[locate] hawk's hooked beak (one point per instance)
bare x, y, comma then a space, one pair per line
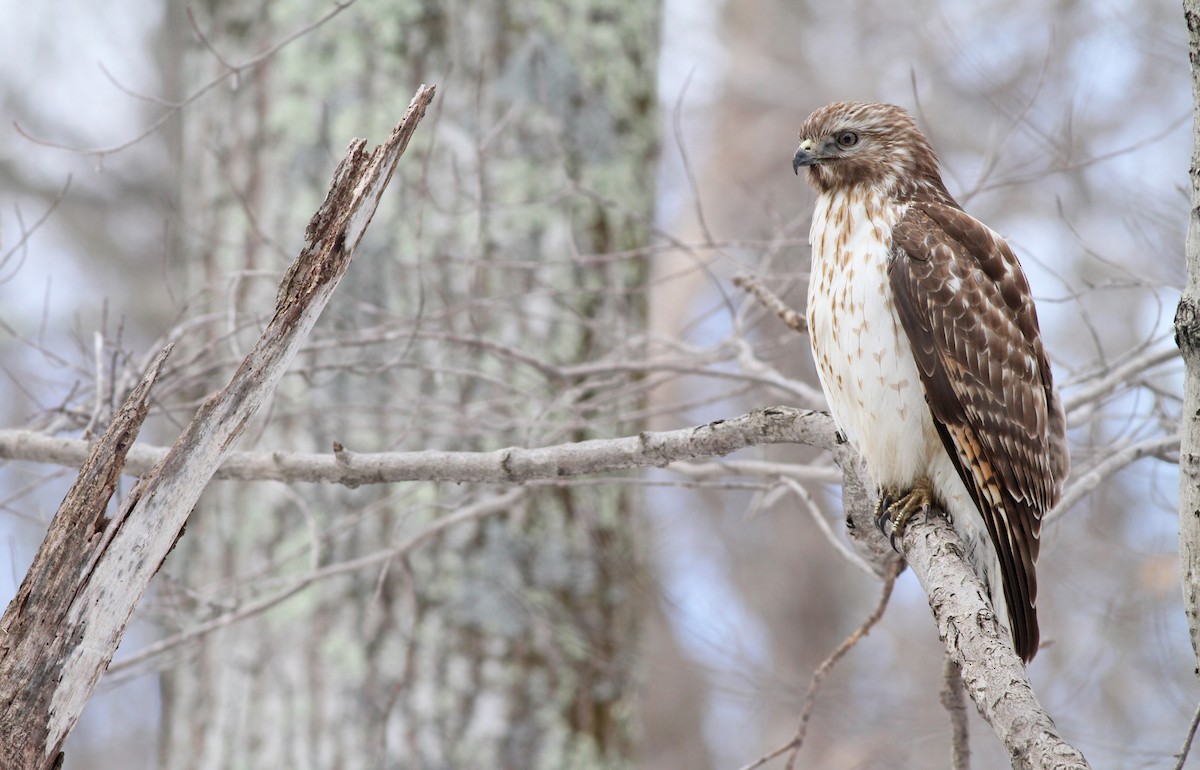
804, 156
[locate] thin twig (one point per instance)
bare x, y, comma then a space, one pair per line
1092, 390
217, 80
27, 232
98, 401
810, 698
839, 545
955, 703
1181, 757
208, 44
753, 286
1084, 482
752, 366
495, 505
677, 128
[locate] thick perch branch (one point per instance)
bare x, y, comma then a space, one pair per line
115, 568
992, 671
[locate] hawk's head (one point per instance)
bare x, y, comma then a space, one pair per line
860, 144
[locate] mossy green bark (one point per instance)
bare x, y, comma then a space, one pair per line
509, 643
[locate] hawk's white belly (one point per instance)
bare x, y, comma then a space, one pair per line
868, 371
862, 354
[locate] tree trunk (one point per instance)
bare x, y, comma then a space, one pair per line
1187, 336
507, 642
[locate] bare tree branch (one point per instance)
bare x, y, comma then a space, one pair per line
1181, 757
795, 321
1083, 483
774, 425
956, 597
487, 507
41, 624
992, 671
956, 706
814, 510
174, 109
793, 746
1111, 378
112, 568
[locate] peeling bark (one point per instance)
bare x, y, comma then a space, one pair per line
61, 630
46, 621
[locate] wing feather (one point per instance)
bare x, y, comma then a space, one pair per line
964, 303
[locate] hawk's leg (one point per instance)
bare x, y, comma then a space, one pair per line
897, 507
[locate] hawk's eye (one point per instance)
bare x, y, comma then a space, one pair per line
847, 139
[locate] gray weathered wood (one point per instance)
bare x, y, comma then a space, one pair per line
49, 686
41, 626
991, 670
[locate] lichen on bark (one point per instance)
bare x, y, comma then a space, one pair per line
510, 643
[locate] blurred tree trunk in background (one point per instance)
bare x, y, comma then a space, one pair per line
505, 643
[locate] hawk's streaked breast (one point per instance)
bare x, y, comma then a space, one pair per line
864, 360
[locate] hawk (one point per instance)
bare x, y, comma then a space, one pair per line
927, 345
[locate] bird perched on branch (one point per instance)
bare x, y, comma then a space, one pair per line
926, 341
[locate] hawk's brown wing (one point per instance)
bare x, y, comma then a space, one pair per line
964, 302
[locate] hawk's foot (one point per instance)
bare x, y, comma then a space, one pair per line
896, 507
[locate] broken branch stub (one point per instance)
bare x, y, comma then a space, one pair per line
90, 614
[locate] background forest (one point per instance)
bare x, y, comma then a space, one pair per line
553, 263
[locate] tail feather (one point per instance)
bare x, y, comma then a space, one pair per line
1011, 582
